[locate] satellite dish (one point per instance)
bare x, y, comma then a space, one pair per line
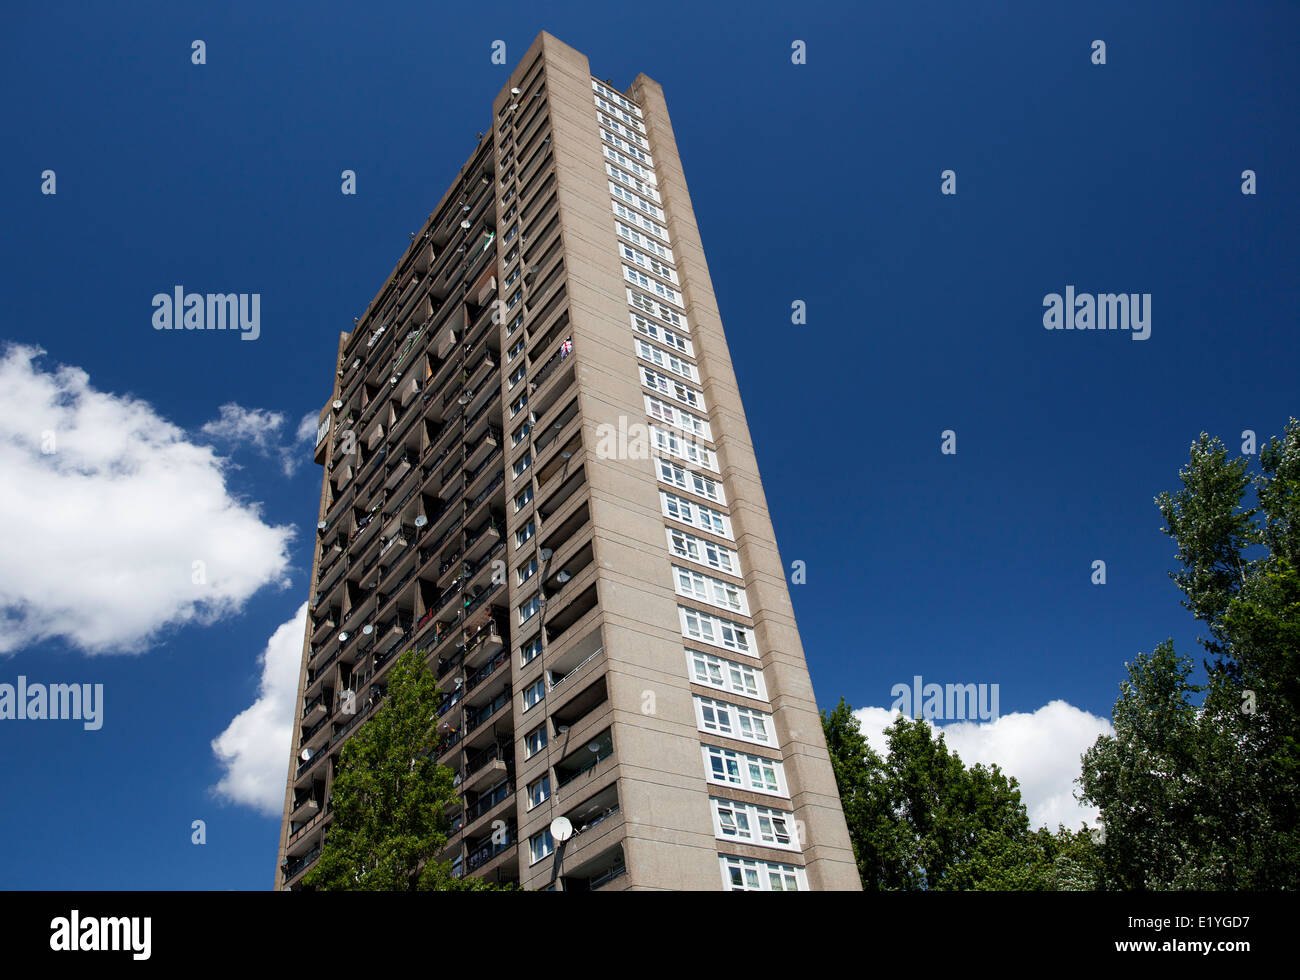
338, 404
545, 554
306, 755
343, 637
593, 747
367, 629
322, 525
561, 829
421, 521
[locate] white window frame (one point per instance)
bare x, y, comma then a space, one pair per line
726, 675
762, 874
691, 583
695, 515
729, 720
702, 551
744, 776
717, 631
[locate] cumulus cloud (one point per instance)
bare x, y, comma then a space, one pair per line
116, 524
1041, 749
262, 431
254, 749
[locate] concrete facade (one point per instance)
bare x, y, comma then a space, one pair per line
618, 646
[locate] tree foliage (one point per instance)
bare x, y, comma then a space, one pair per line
1206, 795
919, 818
390, 797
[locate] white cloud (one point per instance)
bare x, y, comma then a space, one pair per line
254, 748
107, 507
1041, 749
262, 430
307, 428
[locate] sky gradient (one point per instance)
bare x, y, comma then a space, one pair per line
817, 182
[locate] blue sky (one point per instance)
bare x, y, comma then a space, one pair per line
816, 182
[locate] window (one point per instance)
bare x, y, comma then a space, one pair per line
523, 499
752, 824
683, 544
690, 481
529, 651
671, 387
527, 611
516, 350
520, 434
524, 533
518, 404
643, 302
665, 360
526, 571
534, 693
697, 515
540, 845
705, 588
649, 244
678, 418
746, 875
518, 375
751, 772
636, 218
714, 629
732, 720
662, 334
685, 447
539, 792
522, 463
534, 741
727, 675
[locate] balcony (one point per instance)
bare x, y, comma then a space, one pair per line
486, 768
584, 759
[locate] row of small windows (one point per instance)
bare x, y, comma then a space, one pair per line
626, 147
746, 875
689, 480
630, 134
640, 220
638, 278
671, 387
708, 628
685, 545
649, 244
664, 335
638, 185
636, 200
691, 450
648, 262
696, 515
614, 110
756, 773
648, 305
691, 584
614, 97
678, 418
645, 173
752, 824
726, 675
664, 359
733, 721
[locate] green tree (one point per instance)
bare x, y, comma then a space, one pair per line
920, 819
1207, 795
390, 797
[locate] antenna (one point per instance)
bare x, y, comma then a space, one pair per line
561, 829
